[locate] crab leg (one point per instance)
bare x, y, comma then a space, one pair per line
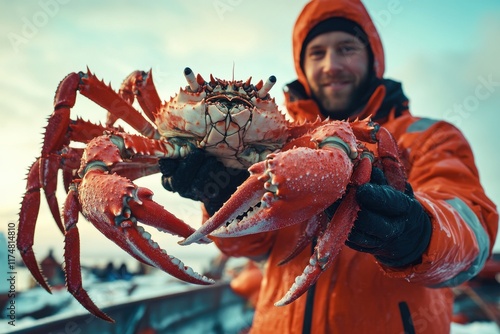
332, 240
30, 206
313, 228
102, 94
387, 151
139, 84
61, 130
56, 136
43, 175
26, 228
329, 245
72, 257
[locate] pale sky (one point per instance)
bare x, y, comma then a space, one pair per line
445, 52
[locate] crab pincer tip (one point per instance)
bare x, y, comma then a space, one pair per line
191, 239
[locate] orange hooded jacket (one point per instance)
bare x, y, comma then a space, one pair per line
357, 294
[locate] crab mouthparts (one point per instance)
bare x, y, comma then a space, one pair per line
229, 100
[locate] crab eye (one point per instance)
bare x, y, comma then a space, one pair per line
230, 101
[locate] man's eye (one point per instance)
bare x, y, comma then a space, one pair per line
347, 49
316, 53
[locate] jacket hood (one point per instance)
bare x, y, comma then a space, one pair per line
318, 10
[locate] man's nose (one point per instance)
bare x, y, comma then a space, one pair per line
333, 62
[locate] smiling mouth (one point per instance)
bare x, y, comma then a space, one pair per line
337, 85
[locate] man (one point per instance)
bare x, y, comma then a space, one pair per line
402, 258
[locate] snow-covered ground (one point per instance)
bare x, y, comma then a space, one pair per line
103, 294
475, 328
107, 294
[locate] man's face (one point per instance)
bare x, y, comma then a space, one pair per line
336, 68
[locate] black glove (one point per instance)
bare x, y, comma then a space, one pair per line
391, 225
202, 178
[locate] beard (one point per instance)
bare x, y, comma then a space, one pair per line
340, 105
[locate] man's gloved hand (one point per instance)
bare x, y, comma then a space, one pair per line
391, 225
202, 178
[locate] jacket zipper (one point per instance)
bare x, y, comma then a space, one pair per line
404, 310
307, 325
308, 312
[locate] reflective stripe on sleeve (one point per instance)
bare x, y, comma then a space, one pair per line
482, 239
421, 125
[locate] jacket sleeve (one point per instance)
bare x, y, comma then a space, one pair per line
443, 174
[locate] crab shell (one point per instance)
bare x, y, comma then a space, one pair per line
227, 119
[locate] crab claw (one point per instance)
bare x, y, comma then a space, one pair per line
246, 196
287, 187
291, 190
117, 219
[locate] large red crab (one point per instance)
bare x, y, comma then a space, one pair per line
236, 121
233, 120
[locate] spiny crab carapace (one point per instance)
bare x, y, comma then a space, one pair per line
236, 121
